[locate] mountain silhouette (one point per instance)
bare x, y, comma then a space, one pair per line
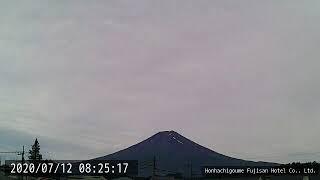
174, 153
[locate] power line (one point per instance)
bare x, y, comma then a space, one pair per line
18, 153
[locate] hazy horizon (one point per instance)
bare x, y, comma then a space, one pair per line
89, 78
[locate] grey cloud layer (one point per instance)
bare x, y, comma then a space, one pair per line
237, 77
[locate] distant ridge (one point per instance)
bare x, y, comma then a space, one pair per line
174, 153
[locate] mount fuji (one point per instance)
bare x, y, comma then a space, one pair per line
173, 153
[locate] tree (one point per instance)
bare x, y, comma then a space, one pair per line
34, 153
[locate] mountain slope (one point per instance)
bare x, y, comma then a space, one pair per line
174, 153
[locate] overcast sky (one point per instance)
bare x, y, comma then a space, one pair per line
89, 78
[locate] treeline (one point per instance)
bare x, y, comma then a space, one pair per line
307, 164
298, 165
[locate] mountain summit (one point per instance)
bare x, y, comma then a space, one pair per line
173, 152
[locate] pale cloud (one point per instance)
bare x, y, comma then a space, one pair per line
237, 77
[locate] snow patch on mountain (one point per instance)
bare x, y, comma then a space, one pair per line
177, 140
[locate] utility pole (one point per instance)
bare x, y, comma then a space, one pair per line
22, 158
191, 174
154, 167
189, 169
